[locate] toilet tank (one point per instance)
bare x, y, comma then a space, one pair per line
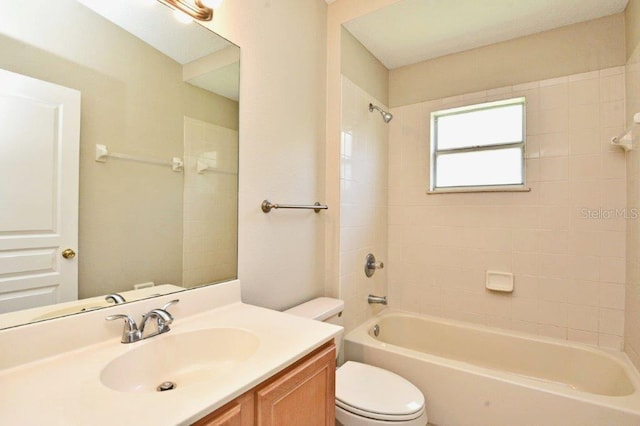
325, 309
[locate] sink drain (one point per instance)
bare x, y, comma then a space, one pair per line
166, 386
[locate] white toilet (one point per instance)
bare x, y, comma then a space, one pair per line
366, 395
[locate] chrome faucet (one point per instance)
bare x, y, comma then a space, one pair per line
131, 333
163, 321
115, 298
377, 299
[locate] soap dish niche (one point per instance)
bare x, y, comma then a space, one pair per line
500, 281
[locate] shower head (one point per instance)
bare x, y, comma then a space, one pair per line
386, 116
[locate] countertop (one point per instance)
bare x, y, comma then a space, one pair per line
65, 389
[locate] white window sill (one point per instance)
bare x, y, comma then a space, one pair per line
470, 189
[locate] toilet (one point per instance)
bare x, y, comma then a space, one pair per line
366, 395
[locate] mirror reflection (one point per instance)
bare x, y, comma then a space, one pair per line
120, 128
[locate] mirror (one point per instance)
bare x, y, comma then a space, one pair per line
158, 154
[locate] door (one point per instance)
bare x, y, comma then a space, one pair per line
39, 144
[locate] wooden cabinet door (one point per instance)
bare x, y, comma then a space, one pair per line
238, 412
301, 395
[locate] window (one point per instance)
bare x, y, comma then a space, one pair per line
478, 146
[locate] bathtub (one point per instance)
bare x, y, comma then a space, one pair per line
473, 375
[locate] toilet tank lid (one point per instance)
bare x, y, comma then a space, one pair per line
318, 309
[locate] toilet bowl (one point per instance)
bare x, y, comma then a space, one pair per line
366, 395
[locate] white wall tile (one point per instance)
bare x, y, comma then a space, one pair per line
612, 88
553, 144
583, 92
583, 318
585, 293
581, 336
611, 321
612, 296
631, 75
568, 268
366, 169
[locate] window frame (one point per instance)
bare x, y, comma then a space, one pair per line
481, 187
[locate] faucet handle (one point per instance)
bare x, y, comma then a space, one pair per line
370, 265
130, 332
172, 302
114, 298
129, 322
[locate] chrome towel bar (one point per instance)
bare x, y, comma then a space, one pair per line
268, 205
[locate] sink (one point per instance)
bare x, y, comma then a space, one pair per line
179, 359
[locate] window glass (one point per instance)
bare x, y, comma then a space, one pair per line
478, 145
480, 168
481, 127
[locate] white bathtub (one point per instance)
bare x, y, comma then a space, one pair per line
472, 375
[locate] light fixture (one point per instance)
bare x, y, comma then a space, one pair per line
212, 4
201, 10
182, 17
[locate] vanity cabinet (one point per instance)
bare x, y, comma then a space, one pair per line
302, 394
239, 412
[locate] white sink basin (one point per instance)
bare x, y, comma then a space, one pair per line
182, 359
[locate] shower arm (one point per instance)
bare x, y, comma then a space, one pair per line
376, 107
386, 116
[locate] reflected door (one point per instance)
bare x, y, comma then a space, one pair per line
39, 144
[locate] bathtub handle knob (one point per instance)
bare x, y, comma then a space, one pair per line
370, 265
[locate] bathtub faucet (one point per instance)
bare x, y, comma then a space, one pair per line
377, 299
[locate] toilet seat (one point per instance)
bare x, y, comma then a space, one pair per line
378, 394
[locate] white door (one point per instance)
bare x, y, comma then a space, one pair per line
39, 144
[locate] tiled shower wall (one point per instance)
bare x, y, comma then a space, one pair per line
210, 248
632, 311
564, 241
363, 202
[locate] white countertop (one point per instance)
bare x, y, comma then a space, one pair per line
65, 389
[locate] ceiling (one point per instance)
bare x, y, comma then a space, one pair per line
411, 31
185, 43
149, 21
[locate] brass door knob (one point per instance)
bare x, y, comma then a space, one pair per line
68, 254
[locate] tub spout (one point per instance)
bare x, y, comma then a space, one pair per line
377, 299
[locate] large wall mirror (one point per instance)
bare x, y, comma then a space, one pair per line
157, 146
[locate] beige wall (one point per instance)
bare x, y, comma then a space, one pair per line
632, 26
568, 266
632, 96
361, 67
282, 133
133, 101
577, 48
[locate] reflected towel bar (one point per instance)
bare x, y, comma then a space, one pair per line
103, 153
268, 205
627, 139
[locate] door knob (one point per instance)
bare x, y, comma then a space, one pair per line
68, 254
